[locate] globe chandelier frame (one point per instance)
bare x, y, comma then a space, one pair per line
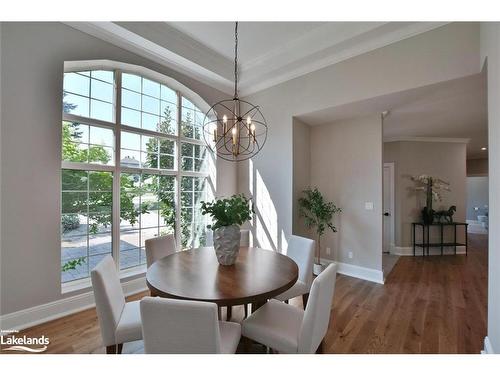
235, 129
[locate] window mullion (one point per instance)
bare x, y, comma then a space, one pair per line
178, 226
117, 172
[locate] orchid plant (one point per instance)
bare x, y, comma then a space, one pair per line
433, 188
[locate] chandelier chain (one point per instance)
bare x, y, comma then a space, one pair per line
236, 60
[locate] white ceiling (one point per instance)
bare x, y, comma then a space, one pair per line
452, 109
269, 52
255, 39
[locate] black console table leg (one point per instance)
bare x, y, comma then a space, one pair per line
423, 240
441, 239
466, 240
414, 239
428, 240
455, 239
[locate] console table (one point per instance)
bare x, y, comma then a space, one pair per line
426, 244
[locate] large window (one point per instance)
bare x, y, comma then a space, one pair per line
134, 166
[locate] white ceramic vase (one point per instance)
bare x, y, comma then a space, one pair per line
227, 244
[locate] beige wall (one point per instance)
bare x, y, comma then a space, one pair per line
346, 166
442, 54
477, 167
32, 62
490, 50
443, 160
301, 171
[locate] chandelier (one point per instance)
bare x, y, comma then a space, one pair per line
234, 129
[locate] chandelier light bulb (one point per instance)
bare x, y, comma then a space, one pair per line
224, 119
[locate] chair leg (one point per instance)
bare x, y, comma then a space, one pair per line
305, 297
119, 348
247, 344
246, 309
229, 313
111, 349
320, 348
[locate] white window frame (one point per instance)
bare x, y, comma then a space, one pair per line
117, 169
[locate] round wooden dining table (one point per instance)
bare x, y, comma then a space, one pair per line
195, 274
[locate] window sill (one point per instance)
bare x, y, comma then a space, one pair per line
72, 286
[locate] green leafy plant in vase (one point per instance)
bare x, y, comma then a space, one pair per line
318, 215
227, 214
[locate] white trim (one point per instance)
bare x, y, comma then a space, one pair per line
426, 139
359, 272
391, 166
196, 60
121, 37
408, 251
57, 309
332, 55
488, 349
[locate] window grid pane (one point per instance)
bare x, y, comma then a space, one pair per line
85, 221
148, 105
147, 210
148, 201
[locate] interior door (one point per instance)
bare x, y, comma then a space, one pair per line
388, 202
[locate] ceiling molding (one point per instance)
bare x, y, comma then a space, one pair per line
123, 38
322, 46
427, 139
312, 63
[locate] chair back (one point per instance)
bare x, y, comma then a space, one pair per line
244, 241
109, 298
318, 310
301, 250
159, 247
172, 326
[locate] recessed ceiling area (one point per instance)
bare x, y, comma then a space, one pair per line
452, 109
269, 52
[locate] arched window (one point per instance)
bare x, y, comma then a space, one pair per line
134, 165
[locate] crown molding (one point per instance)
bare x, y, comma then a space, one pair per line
317, 49
128, 40
330, 56
427, 139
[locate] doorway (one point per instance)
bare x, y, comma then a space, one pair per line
389, 259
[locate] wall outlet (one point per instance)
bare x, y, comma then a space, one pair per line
369, 206
350, 255
328, 251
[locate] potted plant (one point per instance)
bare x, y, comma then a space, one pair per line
318, 214
433, 187
227, 215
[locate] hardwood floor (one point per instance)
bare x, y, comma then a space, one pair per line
427, 305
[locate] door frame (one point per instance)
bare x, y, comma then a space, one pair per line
392, 201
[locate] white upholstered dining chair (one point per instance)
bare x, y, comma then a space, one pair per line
186, 327
301, 250
287, 328
159, 247
119, 321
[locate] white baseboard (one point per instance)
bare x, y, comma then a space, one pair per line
57, 309
359, 272
488, 349
408, 251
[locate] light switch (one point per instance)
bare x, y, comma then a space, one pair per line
369, 206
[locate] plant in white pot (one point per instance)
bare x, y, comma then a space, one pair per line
228, 215
318, 215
